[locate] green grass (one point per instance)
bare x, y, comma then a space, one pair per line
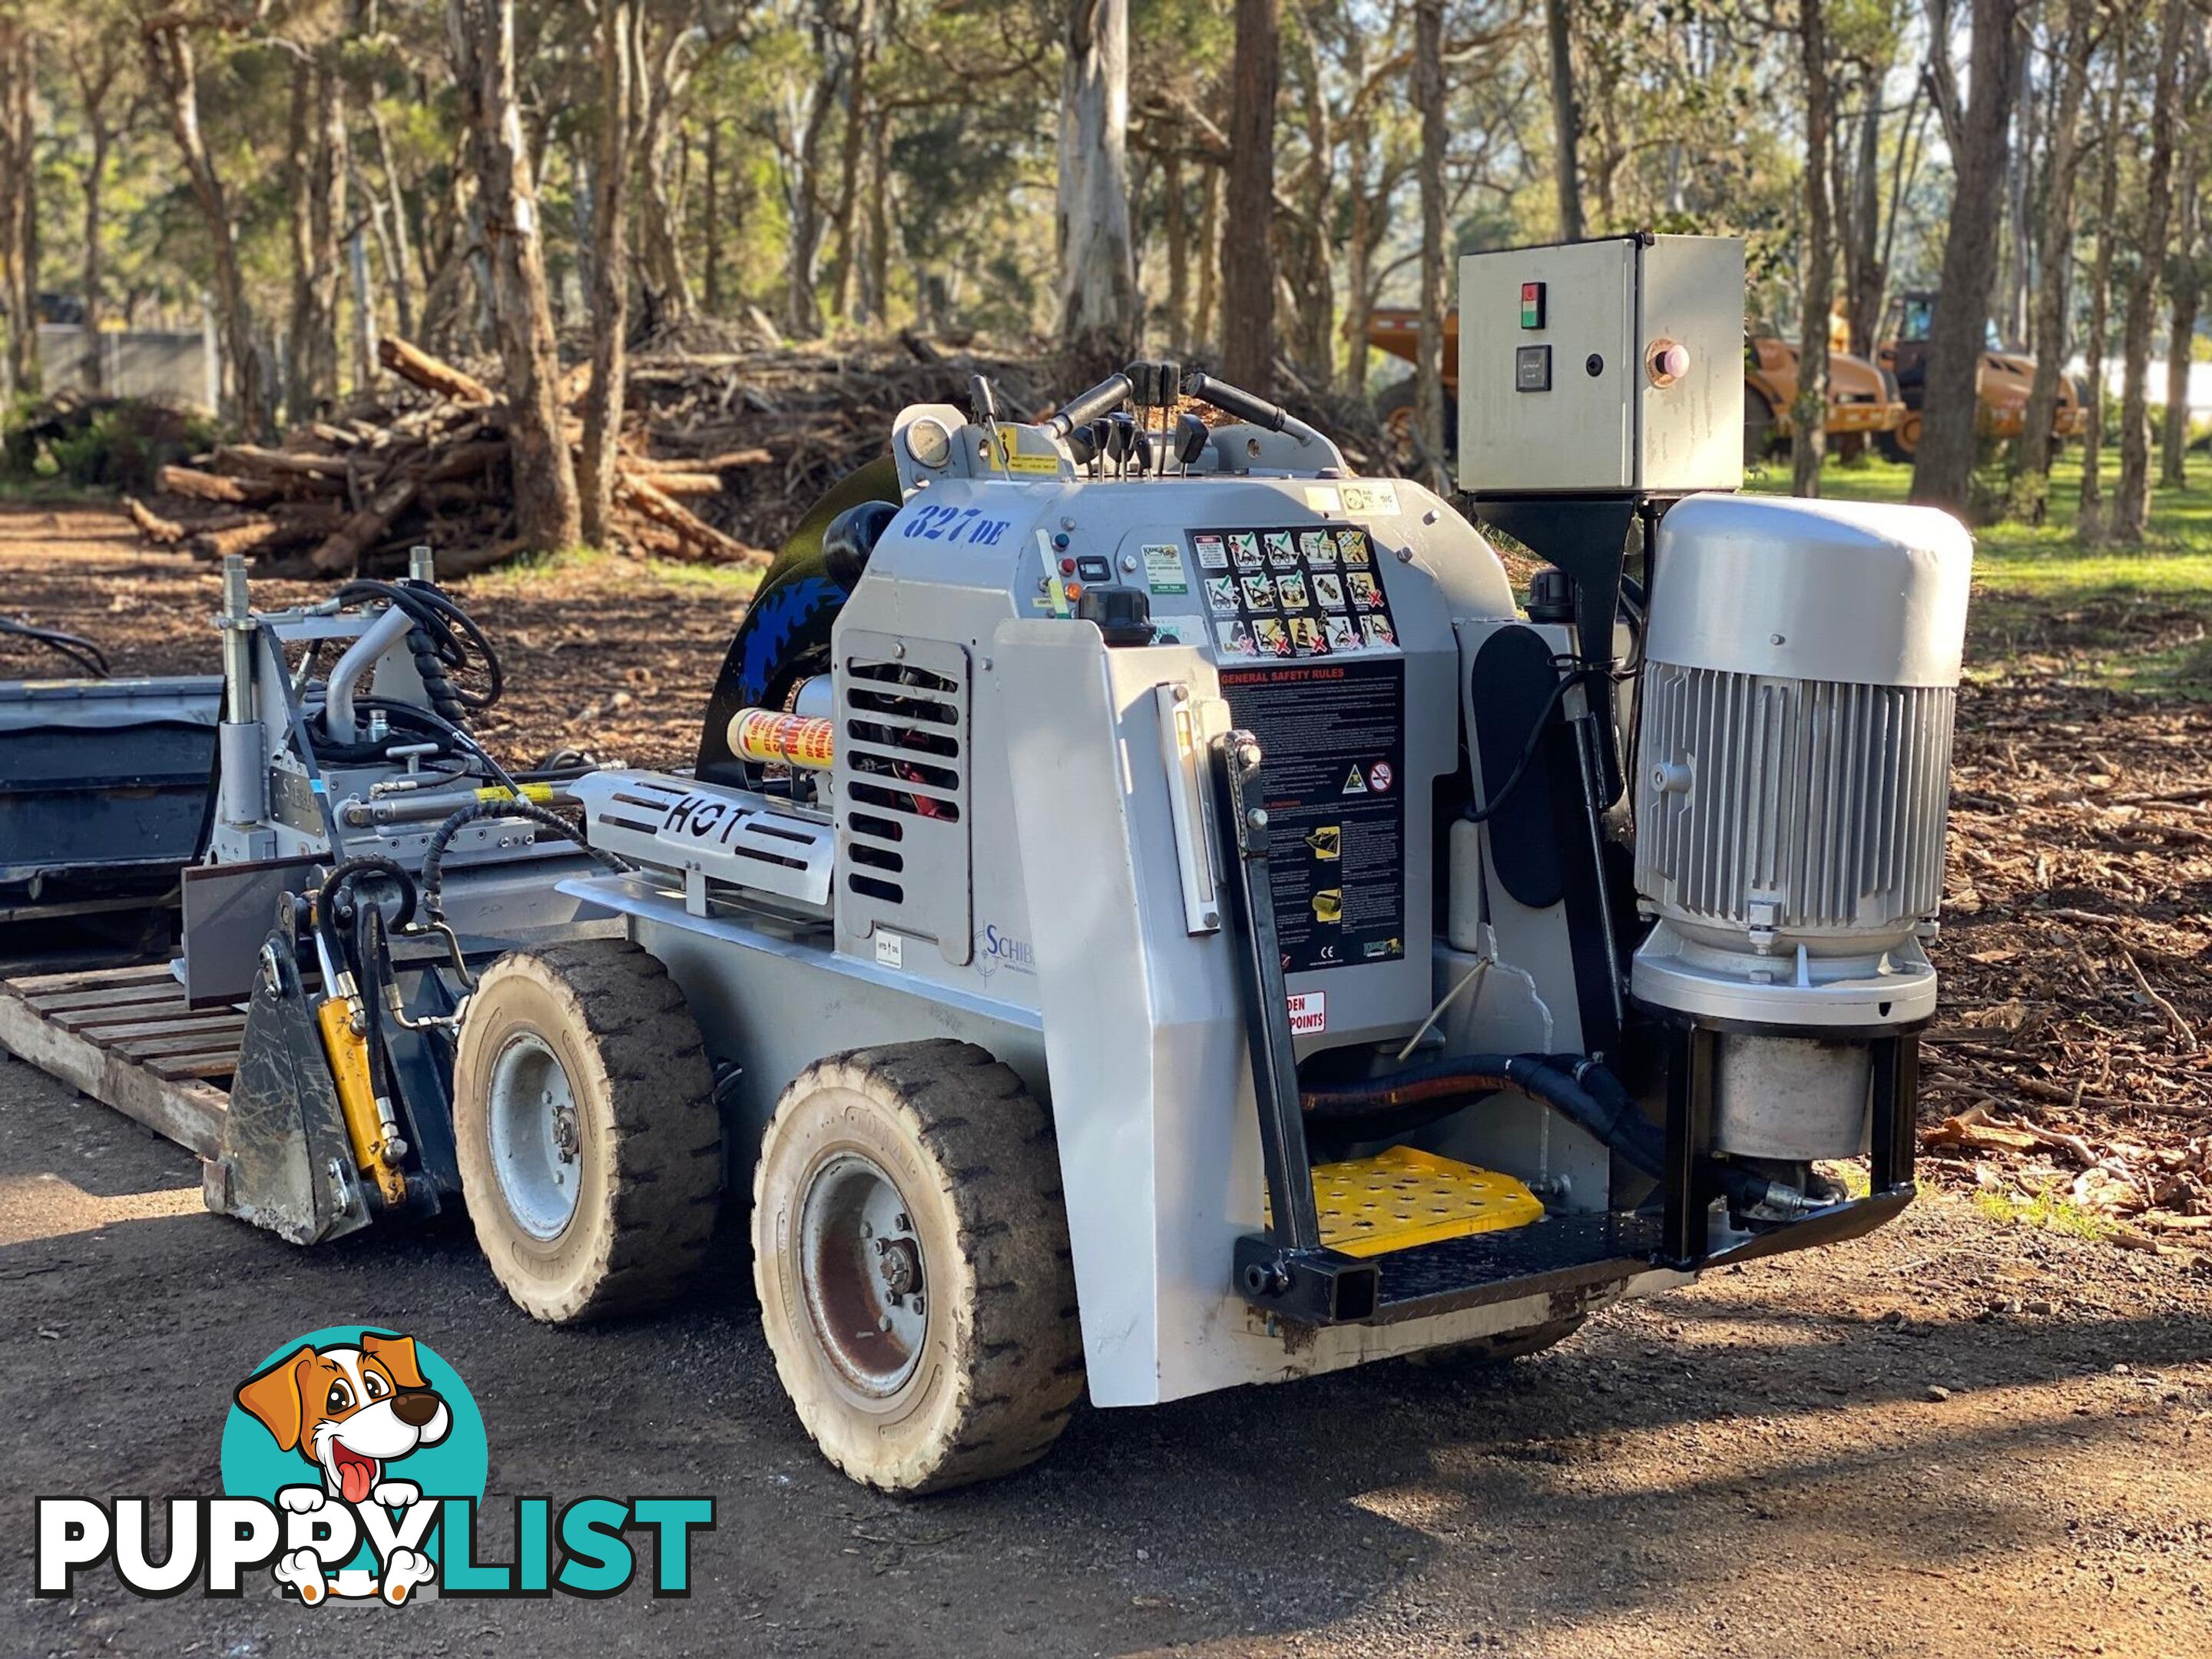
2045, 605
2045, 1209
530, 572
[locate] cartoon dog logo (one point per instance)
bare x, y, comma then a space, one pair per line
350, 1412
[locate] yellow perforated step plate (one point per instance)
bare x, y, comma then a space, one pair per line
1404, 1197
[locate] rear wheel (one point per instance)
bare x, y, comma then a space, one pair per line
910, 1250
1904, 443
585, 1126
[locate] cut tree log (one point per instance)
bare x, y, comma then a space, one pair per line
700, 539
418, 368
162, 532
206, 486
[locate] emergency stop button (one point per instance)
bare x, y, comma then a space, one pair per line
1667, 361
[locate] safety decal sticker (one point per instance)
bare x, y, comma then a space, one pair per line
1164, 571
1332, 740
1313, 592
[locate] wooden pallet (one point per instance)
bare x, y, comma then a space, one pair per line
123, 1036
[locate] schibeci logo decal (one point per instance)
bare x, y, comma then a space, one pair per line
353, 1467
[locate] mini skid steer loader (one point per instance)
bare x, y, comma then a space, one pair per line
1152, 911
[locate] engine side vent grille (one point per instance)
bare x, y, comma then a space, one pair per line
1797, 805
901, 786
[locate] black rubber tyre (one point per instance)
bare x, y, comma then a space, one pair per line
646, 1159
1487, 1351
1901, 445
967, 1363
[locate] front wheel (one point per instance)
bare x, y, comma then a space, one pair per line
585, 1126
910, 1250
1903, 444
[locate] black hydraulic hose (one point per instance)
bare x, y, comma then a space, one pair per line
367, 957
1474, 814
1608, 1113
80, 653
444, 637
433, 856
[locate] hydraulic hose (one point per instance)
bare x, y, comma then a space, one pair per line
434, 857
1581, 1090
1439, 1086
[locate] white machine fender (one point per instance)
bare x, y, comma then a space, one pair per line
1150, 1084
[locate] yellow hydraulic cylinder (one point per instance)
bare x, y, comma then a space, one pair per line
349, 1057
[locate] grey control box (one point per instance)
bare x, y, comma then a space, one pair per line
1602, 367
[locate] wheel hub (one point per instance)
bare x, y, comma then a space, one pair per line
861, 1271
536, 1140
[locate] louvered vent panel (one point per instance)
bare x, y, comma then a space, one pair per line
902, 779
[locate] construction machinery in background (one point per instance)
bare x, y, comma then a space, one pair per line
1863, 399
2001, 388
1152, 910
1863, 403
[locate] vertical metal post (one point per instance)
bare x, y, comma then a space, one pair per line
242, 789
1294, 1221
1689, 1134
1896, 1063
421, 564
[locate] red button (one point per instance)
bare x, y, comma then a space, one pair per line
1067, 567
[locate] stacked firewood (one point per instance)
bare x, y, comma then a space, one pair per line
351, 494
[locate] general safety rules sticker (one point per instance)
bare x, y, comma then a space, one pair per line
1308, 1013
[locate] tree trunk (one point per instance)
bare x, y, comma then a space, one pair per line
1944, 472
19, 200
1808, 444
1209, 258
545, 508
802, 310
173, 72
1177, 216
2187, 285
1567, 121
1247, 258
1428, 372
1098, 319
2131, 502
318, 173
668, 289
2032, 481
603, 396
2012, 314
399, 272
878, 292
1315, 282
95, 229
2090, 521
853, 154
1865, 280
710, 252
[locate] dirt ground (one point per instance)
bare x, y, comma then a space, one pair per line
1961, 1436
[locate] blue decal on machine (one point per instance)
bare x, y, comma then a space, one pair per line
966, 525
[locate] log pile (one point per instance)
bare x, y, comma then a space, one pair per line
353, 493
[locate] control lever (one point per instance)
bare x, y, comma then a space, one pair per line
1191, 439
1235, 400
983, 404
1109, 393
1120, 439
1102, 444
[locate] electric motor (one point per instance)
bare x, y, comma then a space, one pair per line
1793, 763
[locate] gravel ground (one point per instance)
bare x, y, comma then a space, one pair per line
1755, 1464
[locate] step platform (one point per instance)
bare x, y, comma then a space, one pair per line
1403, 1197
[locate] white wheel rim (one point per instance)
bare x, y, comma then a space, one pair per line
537, 1150
862, 1270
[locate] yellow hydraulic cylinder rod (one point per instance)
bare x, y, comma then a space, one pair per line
764, 737
349, 1057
